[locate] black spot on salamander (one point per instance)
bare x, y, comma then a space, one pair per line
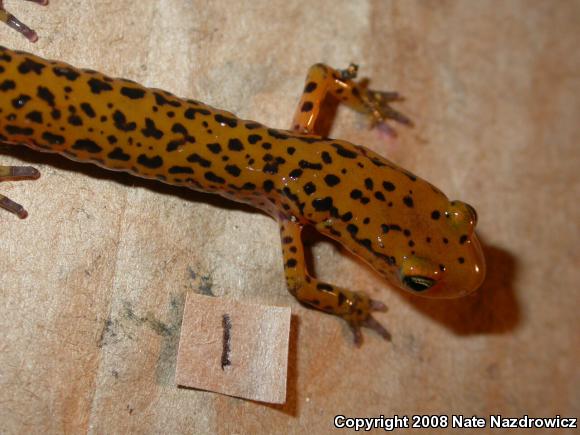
249, 186
461, 260
352, 229
395, 227
322, 204
23, 131
7, 85
225, 120
175, 145
29, 65
53, 139
88, 109
408, 201
75, 120
268, 186
331, 180
366, 243
463, 239
235, 144
267, 145
277, 134
384, 228
161, 100
252, 125
210, 176
34, 116
307, 106
45, 95
409, 175
380, 196
215, 148
308, 139
291, 263
151, 129
87, 145
254, 138
435, 214
132, 93
20, 101
346, 217
112, 139
5, 56
196, 158
388, 186
295, 173
287, 240
326, 157
191, 112
150, 162
55, 114
309, 188
369, 183
341, 298
290, 150
311, 86
68, 73
121, 122
355, 194
119, 154
180, 170
97, 86
343, 152
233, 170
375, 161
308, 165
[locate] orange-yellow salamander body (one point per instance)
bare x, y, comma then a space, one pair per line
401, 225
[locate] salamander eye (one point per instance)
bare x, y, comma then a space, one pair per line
418, 283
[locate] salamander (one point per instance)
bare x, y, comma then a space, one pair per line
402, 226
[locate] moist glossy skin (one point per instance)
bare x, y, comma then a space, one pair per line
401, 225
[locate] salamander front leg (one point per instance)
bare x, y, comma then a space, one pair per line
354, 307
16, 24
324, 82
14, 173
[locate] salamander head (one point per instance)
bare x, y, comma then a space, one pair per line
452, 263
417, 239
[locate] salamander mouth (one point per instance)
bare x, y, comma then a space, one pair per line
418, 283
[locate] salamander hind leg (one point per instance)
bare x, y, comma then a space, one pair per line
324, 82
354, 307
14, 173
18, 25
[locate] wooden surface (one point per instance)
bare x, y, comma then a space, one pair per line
93, 284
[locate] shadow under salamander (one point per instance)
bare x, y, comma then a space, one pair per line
493, 309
